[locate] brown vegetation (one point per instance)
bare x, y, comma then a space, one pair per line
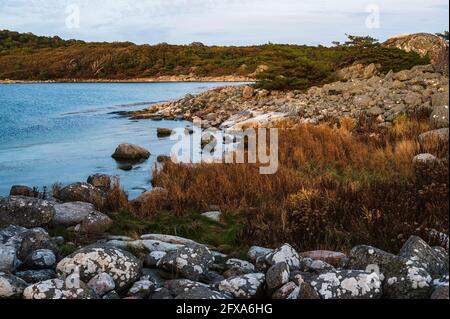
336, 187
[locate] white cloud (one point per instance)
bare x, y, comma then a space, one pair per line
222, 21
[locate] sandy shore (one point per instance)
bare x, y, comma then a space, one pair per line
160, 79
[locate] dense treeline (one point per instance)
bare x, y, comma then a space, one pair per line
29, 57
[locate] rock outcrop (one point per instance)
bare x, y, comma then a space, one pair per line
424, 44
25, 211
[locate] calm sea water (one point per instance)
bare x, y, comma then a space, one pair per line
65, 132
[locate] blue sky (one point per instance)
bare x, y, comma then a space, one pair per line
223, 22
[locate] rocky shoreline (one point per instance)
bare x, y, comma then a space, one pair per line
362, 92
157, 266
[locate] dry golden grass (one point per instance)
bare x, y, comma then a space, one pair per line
334, 188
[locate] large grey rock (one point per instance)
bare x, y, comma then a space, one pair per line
90, 261
244, 287
35, 276
277, 275
130, 152
57, 289
285, 253
25, 211
82, 192
71, 213
191, 261
434, 260
402, 279
351, 284
11, 286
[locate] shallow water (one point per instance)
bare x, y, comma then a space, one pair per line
65, 132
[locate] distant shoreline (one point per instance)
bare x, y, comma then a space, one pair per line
160, 79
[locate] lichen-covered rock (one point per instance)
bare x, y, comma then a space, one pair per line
202, 293
9, 234
89, 261
237, 267
130, 152
11, 286
348, 285
32, 240
82, 192
101, 284
244, 287
150, 245
101, 181
277, 275
142, 289
35, 276
169, 239
434, 260
402, 278
25, 211
256, 251
57, 289
8, 258
191, 261
288, 291
285, 253
40, 259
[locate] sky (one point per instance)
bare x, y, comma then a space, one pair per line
223, 22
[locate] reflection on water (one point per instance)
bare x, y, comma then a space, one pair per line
65, 132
